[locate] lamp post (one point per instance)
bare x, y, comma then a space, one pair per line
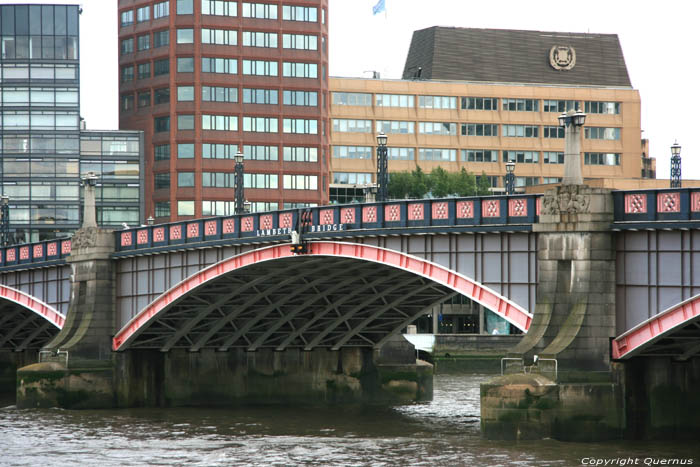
676, 165
5, 220
382, 168
572, 121
240, 200
510, 178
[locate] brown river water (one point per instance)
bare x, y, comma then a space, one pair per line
444, 432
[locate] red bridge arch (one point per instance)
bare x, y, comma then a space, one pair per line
26, 322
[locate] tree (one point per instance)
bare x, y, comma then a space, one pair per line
483, 185
442, 185
464, 183
419, 184
399, 185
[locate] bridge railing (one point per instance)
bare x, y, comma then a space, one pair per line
668, 204
38, 252
399, 214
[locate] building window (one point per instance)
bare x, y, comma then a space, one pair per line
300, 182
601, 158
393, 126
161, 124
185, 93
549, 157
161, 38
437, 102
219, 7
260, 153
127, 18
185, 64
592, 132
260, 67
161, 180
161, 9
219, 65
549, 180
162, 209
359, 99
127, 46
185, 179
479, 103
144, 99
401, 154
260, 39
144, 42
299, 13
262, 181
559, 106
299, 70
161, 152
185, 7
521, 131
479, 155
185, 208
219, 36
259, 10
299, 42
259, 96
219, 151
127, 73
596, 107
143, 14
305, 98
220, 122
394, 100
161, 96
127, 102
521, 157
437, 154
218, 180
521, 105
300, 126
352, 152
185, 36
437, 128
260, 124
527, 181
479, 129
185, 122
352, 178
300, 154
553, 131
161, 67
344, 125
219, 94
144, 70
218, 208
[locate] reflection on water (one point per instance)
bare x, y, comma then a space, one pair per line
442, 432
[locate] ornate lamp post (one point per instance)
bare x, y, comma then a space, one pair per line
240, 199
510, 178
5, 220
676, 165
382, 168
572, 121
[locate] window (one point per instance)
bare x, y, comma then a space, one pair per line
352, 178
185, 179
394, 100
185, 151
300, 154
521, 157
594, 107
219, 151
185, 7
161, 152
299, 70
352, 152
479, 103
185, 208
218, 180
479, 129
185, 64
161, 38
127, 73
521, 131
299, 42
218, 208
219, 65
553, 131
352, 126
527, 181
521, 105
219, 7
593, 132
305, 98
479, 155
161, 96
300, 182
437, 102
143, 14
161, 67
143, 42
161, 9
352, 98
144, 99
260, 39
161, 124
127, 102
299, 13
185, 93
391, 126
259, 96
559, 106
437, 128
219, 94
260, 124
253, 180
402, 154
259, 10
601, 158
127, 18
144, 70
220, 122
127, 46
260, 67
261, 153
548, 180
219, 36
300, 126
553, 157
185, 36
162, 209
161, 180
437, 154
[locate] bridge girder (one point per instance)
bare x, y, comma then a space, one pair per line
25, 322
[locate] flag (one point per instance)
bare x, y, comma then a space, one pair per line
379, 7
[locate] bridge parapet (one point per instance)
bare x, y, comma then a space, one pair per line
635, 209
37, 254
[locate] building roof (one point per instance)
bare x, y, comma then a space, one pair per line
514, 56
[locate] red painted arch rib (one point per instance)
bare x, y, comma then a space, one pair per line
656, 327
512, 312
37, 306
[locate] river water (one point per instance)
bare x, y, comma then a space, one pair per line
443, 432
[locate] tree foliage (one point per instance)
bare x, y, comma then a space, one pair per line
437, 184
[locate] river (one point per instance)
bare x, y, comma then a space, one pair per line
444, 432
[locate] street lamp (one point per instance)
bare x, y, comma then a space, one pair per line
572, 121
240, 200
510, 178
676, 165
5, 220
382, 168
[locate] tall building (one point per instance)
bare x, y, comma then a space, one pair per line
205, 79
479, 98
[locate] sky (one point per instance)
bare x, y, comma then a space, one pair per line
659, 41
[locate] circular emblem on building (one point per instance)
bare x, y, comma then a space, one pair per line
562, 57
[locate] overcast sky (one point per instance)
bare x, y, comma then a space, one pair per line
659, 41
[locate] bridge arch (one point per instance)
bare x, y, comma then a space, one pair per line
674, 332
26, 322
339, 294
